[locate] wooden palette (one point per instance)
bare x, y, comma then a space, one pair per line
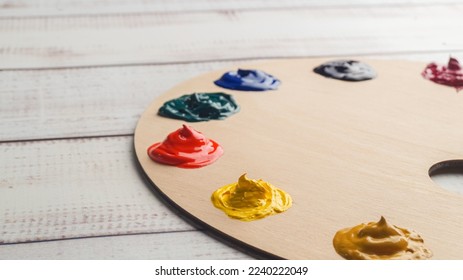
347, 153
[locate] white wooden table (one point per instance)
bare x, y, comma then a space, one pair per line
76, 75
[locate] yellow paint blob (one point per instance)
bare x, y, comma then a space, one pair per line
249, 200
379, 241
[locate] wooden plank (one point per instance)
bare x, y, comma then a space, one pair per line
178, 245
97, 101
84, 102
178, 37
76, 188
22, 8
347, 153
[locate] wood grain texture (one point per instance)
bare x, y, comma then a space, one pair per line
76, 188
84, 187
99, 101
354, 152
154, 38
27, 8
174, 245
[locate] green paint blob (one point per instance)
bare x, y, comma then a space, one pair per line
199, 107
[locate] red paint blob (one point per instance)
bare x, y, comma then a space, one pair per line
450, 75
186, 148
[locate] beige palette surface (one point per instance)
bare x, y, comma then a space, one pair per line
346, 152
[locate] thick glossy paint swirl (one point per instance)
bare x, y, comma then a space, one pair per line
347, 70
249, 200
381, 240
450, 75
248, 80
186, 148
198, 107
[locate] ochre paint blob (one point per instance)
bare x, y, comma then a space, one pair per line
186, 148
379, 241
248, 80
347, 70
249, 200
198, 107
450, 75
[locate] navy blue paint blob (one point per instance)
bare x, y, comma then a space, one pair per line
248, 80
199, 107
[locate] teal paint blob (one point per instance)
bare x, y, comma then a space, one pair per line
198, 107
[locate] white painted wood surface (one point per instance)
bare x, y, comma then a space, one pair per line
91, 67
153, 38
77, 188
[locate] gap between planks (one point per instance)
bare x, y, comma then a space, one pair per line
53, 8
66, 138
177, 245
98, 236
406, 54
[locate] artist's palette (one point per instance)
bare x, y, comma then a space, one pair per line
346, 152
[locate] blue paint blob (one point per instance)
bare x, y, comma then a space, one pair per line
248, 80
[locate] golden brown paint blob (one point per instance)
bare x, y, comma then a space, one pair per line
249, 200
380, 241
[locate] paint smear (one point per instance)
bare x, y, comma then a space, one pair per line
449, 75
186, 148
346, 70
199, 107
380, 241
248, 80
249, 200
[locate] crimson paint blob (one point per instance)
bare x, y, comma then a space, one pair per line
450, 75
186, 148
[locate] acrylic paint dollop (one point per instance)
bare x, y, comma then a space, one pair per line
248, 80
450, 75
379, 241
347, 70
249, 200
186, 148
198, 107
